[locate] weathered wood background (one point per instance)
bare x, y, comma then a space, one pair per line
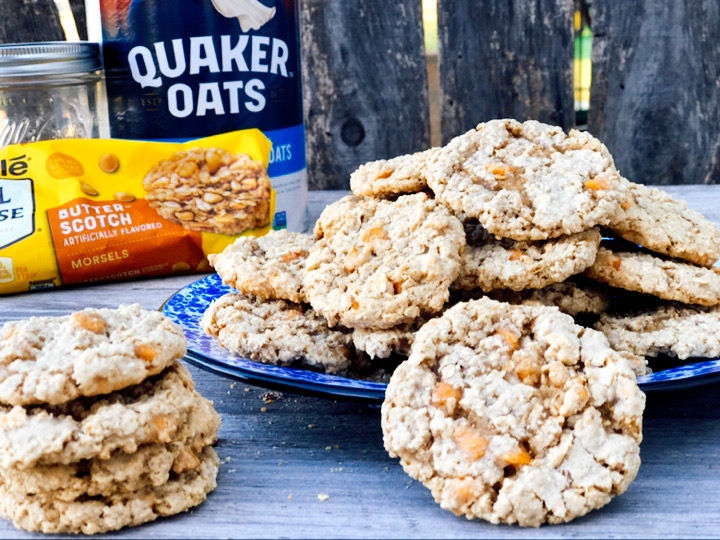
655, 96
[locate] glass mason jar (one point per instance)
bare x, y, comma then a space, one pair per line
50, 90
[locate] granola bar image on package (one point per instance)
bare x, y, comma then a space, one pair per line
210, 190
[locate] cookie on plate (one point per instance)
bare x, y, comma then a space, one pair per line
270, 266
379, 263
90, 352
568, 296
154, 410
664, 278
277, 332
666, 225
90, 515
210, 190
508, 264
528, 181
514, 414
673, 329
395, 176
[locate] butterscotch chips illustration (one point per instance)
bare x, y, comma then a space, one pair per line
210, 190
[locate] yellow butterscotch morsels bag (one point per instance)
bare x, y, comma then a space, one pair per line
89, 210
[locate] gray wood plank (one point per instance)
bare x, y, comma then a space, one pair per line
655, 98
505, 59
365, 85
30, 20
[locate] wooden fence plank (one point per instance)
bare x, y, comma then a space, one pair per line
505, 58
31, 21
365, 85
655, 98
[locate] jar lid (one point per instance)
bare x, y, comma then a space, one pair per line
49, 58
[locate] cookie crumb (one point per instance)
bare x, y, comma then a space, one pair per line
322, 497
271, 396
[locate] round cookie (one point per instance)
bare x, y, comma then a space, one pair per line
508, 264
210, 190
277, 332
269, 266
666, 225
152, 411
514, 414
378, 263
45, 513
401, 174
568, 296
90, 352
151, 466
528, 181
666, 279
674, 329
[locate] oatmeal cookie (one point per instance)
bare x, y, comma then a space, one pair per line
210, 190
151, 466
514, 414
569, 297
44, 513
666, 279
528, 181
666, 225
379, 263
673, 329
401, 174
517, 265
154, 410
270, 266
277, 332
90, 352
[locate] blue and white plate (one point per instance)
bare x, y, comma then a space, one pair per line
186, 307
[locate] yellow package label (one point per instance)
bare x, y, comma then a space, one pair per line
89, 210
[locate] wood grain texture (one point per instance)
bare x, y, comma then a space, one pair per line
505, 59
278, 456
655, 95
365, 85
30, 21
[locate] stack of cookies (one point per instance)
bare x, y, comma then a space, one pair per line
490, 270
100, 425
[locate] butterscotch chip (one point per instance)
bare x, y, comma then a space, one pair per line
401, 174
664, 278
528, 181
158, 409
277, 332
109, 163
379, 263
673, 329
90, 352
210, 190
514, 414
270, 266
507, 264
47, 514
663, 224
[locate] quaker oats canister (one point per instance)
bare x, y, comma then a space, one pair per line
183, 69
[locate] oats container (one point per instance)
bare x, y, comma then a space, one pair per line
188, 69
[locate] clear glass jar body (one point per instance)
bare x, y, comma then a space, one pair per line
50, 107
51, 90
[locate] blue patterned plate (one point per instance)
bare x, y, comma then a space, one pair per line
187, 306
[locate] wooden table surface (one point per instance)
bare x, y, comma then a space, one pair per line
313, 467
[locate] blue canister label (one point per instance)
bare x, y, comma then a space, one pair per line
184, 69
